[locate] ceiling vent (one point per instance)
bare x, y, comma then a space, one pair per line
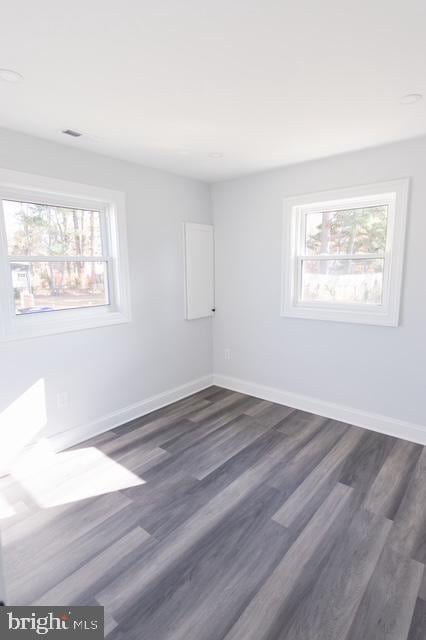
72, 133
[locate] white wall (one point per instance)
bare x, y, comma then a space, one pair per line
104, 370
373, 369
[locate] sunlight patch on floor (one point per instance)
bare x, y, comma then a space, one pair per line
54, 479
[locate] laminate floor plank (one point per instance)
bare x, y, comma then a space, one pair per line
227, 558
298, 421
98, 571
140, 459
258, 619
328, 611
409, 533
46, 530
181, 441
202, 429
387, 490
271, 414
169, 413
320, 475
170, 496
422, 590
366, 460
234, 589
46, 573
418, 623
216, 394
258, 408
151, 439
248, 431
388, 603
216, 407
162, 507
290, 476
207, 453
312, 563
130, 586
153, 432
225, 517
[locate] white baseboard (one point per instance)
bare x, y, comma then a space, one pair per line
373, 421
74, 436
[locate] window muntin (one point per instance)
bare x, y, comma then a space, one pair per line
58, 256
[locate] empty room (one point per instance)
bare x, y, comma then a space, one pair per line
212, 319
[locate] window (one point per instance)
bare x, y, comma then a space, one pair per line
343, 254
63, 256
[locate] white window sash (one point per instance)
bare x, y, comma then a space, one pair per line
110, 204
393, 195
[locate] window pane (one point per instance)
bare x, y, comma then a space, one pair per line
347, 231
343, 281
42, 230
52, 286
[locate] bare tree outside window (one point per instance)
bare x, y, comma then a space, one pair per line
56, 257
346, 255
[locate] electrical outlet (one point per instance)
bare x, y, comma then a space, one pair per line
227, 353
62, 400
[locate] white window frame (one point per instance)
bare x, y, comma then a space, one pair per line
394, 194
111, 205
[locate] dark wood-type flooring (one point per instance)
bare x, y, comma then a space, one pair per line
226, 517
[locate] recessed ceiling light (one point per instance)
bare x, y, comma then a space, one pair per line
8, 75
216, 154
411, 98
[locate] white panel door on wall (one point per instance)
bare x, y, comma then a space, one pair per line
199, 270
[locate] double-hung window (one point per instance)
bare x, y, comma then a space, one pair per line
63, 262
343, 254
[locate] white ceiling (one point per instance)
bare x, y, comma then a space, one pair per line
167, 82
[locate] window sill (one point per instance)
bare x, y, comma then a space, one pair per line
358, 315
27, 327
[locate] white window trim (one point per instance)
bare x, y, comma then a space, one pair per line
393, 193
17, 185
